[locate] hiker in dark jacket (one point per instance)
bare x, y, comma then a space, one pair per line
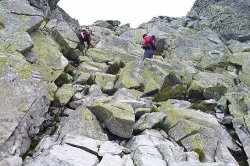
86, 37
149, 46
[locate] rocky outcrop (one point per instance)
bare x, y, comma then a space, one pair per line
107, 106
52, 11
218, 16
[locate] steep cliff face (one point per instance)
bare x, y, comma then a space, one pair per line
229, 18
187, 106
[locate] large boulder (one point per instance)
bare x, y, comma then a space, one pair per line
20, 40
18, 15
205, 139
149, 120
21, 95
64, 94
175, 115
211, 85
118, 117
50, 62
66, 37
152, 148
82, 123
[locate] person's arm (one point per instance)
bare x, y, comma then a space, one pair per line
82, 34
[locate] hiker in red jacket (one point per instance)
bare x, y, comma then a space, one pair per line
149, 46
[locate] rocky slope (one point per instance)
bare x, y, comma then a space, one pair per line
110, 108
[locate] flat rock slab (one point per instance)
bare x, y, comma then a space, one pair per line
88, 144
149, 120
116, 160
65, 93
111, 148
82, 123
64, 155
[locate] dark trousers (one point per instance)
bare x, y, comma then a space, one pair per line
148, 53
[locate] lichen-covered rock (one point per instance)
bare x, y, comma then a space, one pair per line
21, 94
102, 78
21, 41
211, 85
129, 80
239, 58
18, 15
219, 12
49, 56
149, 120
134, 35
237, 47
82, 122
151, 147
66, 37
175, 115
64, 94
188, 133
241, 125
244, 75
118, 117
98, 56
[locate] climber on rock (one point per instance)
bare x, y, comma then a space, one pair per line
86, 37
149, 46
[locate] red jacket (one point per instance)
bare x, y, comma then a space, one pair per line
146, 44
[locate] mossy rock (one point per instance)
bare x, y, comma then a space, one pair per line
102, 79
115, 67
201, 154
205, 80
66, 37
129, 80
244, 77
98, 56
176, 92
70, 70
47, 50
151, 87
214, 92
203, 144
91, 79
183, 129
83, 123
64, 94
118, 117
64, 78
175, 114
162, 126
239, 58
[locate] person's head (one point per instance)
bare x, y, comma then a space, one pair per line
87, 27
144, 35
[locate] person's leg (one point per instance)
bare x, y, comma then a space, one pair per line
147, 54
151, 53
